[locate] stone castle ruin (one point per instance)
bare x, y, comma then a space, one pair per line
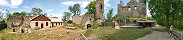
19, 21
99, 15
88, 19
132, 9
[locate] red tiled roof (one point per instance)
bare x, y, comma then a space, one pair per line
41, 18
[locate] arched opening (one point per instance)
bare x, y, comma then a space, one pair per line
88, 26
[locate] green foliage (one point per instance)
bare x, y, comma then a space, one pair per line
36, 11
109, 16
75, 9
45, 14
130, 19
19, 13
3, 25
88, 32
96, 25
66, 17
167, 12
91, 7
70, 21
118, 18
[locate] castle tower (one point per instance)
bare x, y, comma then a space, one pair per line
142, 8
99, 15
120, 8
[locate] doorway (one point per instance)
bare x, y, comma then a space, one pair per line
41, 25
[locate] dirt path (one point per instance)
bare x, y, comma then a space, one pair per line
156, 35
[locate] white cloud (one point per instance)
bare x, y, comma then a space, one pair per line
16, 3
50, 10
11, 3
59, 15
106, 2
4, 3
83, 4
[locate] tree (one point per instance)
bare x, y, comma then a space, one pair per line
166, 12
109, 16
66, 16
19, 13
91, 7
36, 11
45, 14
75, 9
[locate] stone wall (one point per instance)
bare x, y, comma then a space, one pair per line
19, 21
83, 19
99, 15
132, 9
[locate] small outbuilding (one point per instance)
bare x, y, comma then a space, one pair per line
55, 21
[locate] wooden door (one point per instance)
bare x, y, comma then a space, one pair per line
41, 25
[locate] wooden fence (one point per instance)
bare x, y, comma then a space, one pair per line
177, 35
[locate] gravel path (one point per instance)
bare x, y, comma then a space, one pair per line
156, 35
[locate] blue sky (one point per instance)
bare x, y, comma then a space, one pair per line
54, 7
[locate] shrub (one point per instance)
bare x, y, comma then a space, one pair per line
96, 25
70, 21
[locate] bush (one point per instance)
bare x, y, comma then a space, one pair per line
96, 25
70, 21
3, 25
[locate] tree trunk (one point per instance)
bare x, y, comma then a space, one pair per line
167, 22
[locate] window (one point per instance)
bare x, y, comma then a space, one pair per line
101, 6
129, 9
56, 24
135, 7
46, 23
36, 23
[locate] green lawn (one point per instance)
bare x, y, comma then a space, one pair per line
109, 33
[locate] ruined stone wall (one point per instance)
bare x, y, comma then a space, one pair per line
77, 19
132, 9
18, 21
83, 19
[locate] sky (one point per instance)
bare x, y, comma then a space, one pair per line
55, 8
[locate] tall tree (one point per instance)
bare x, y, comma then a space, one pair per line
169, 11
66, 16
36, 11
75, 9
91, 7
109, 16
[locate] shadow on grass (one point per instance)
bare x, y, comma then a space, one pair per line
128, 34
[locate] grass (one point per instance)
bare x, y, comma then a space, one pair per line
109, 33
128, 34
58, 33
